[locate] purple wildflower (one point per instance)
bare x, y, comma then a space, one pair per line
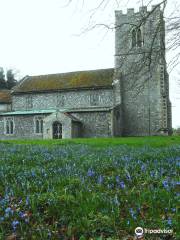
27, 200
173, 209
165, 184
122, 184
15, 223
90, 172
132, 212
117, 179
8, 211
169, 221
100, 179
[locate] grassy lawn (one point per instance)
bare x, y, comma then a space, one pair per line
155, 141
89, 188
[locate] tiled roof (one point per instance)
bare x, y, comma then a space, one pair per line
65, 81
5, 96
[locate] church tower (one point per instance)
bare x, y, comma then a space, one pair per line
140, 67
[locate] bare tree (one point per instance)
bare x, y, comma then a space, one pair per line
172, 23
138, 79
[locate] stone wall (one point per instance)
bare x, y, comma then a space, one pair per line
95, 124
141, 76
76, 130
117, 121
92, 124
60, 100
24, 128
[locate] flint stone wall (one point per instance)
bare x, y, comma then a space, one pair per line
68, 99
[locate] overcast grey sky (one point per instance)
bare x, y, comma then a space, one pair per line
41, 37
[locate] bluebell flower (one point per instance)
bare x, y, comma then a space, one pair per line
8, 211
21, 214
27, 200
169, 221
1, 219
15, 223
165, 184
143, 168
90, 173
100, 179
33, 173
122, 184
173, 209
132, 212
117, 179
128, 177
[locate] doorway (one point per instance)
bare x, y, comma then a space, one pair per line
57, 130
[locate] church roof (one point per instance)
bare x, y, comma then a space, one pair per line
5, 96
101, 78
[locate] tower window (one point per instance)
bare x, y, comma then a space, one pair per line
137, 39
133, 38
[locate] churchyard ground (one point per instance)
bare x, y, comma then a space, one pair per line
89, 188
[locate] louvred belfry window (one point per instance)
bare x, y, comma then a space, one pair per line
133, 38
139, 38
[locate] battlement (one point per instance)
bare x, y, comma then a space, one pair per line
142, 10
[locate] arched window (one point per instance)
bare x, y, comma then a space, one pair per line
133, 38
9, 125
139, 38
41, 125
38, 125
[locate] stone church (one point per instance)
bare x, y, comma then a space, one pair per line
131, 99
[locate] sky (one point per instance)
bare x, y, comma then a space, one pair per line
49, 36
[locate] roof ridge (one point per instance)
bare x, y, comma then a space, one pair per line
72, 72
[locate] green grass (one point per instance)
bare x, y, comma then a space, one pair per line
89, 189
154, 141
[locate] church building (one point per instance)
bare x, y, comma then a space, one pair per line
131, 99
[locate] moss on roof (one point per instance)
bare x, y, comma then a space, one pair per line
5, 96
63, 81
